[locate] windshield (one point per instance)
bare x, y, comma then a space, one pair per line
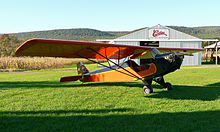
150, 54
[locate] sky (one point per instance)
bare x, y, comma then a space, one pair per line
105, 15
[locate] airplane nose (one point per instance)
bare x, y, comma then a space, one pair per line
180, 57
171, 57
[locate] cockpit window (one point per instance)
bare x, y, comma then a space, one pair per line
154, 52
150, 54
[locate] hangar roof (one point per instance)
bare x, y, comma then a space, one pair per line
164, 33
157, 33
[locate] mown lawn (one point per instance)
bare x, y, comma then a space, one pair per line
39, 102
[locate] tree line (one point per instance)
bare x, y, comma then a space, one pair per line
206, 32
71, 34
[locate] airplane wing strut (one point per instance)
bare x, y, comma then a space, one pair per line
114, 62
109, 60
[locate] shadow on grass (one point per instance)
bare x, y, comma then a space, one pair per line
58, 112
86, 120
205, 93
55, 84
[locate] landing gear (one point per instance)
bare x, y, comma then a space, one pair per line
166, 86
147, 89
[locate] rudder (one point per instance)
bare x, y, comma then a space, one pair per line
81, 69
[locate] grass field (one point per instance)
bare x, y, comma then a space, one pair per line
39, 102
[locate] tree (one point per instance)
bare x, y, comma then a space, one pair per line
8, 44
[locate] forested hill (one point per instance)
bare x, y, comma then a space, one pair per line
71, 34
208, 32
92, 34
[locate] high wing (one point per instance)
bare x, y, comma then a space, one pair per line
82, 49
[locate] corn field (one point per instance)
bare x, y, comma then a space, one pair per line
35, 63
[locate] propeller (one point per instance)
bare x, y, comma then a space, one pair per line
172, 57
183, 53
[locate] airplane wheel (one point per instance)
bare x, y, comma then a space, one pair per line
168, 86
147, 89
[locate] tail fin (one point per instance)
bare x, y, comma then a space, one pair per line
81, 69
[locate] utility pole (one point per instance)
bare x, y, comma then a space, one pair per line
216, 53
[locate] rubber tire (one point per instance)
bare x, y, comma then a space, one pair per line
147, 89
168, 86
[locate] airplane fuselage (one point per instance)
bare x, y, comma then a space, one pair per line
161, 65
166, 63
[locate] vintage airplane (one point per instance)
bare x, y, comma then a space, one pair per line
156, 65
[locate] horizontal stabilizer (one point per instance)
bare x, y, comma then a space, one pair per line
70, 78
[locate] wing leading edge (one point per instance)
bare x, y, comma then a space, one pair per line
81, 49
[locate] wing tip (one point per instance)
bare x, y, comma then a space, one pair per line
18, 51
